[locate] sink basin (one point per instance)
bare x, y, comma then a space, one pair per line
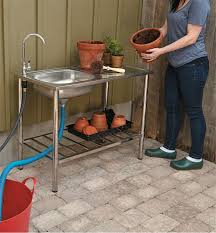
62, 77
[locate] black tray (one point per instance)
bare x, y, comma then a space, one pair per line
110, 115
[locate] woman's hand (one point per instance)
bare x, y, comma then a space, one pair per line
152, 54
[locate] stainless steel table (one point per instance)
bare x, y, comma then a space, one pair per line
131, 72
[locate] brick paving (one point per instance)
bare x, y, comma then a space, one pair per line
114, 192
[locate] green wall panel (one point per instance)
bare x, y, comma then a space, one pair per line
62, 23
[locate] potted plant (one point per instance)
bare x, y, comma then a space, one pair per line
117, 53
89, 52
107, 57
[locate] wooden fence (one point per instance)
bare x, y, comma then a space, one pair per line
154, 14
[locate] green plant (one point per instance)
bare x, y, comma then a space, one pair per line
115, 48
107, 42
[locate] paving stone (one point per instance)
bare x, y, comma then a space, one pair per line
210, 164
113, 166
154, 162
193, 225
136, 168
70, 169
173, 197
182, 212
213, 171
131, 218
126, 149
109, 155
201, 202
139, 228
35, 198
72, 194
140, 180
93, 172
43, 192
100, 197
117, 176
48, 204
184, 176
159, 172
48, 220
125, 202
208, 180
109, 226
191, 188
34, 213
96, 184
211, 192
161, 223
75, 208
146, 193
32, 228
129, 159
23, 174
153, 207
79, 224
55, 229
103, 213
206, 168
90, 162
121, 188
208, 217
166, 184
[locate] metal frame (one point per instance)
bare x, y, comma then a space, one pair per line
55, 131
55, 142
20, 129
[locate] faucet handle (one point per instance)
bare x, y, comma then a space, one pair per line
29, 66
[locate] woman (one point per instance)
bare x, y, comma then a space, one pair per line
186, 76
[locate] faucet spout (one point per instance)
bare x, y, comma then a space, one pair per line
26, 67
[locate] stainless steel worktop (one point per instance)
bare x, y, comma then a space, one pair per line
106, 76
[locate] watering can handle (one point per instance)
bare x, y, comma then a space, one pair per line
34, 183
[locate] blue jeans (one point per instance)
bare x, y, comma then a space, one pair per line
186, 84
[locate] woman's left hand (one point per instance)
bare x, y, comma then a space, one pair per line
152, 54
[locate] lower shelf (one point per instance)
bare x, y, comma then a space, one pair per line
72, 147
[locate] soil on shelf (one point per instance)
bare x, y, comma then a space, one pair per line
146, 37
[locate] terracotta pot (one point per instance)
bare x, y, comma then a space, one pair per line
117, 61
107, 58
90, 130
118, 121
99, 121
90, 51
146, 39
80, 124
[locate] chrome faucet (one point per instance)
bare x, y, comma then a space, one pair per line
26, 66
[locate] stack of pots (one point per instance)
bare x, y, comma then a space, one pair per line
80, 124
99, 121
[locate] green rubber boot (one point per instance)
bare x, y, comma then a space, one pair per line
186, 165
158, 153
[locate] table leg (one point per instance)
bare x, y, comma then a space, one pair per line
141, 146
106, 95
20, 129
55, 142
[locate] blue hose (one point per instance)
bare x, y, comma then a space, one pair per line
27, 161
